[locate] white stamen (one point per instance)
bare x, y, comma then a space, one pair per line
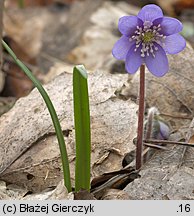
148, 46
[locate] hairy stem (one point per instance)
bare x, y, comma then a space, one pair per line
149, 127
140, 118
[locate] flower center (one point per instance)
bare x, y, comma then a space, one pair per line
148, 36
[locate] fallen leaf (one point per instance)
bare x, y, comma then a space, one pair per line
115, 194
59, 193
84, 195
168, 174
24, 138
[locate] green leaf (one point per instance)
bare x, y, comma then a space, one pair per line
54, 117
82, 128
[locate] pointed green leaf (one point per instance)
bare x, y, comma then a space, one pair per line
82, 128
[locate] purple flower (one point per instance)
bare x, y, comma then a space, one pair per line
147, 38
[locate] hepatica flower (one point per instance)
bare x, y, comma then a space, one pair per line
147, 38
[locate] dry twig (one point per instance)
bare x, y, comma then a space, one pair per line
168, 142
187, 138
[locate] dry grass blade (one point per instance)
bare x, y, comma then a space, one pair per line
149, 141
151, 145
116, 182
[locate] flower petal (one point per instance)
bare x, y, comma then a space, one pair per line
164, 131
133, 60
128, 24
157, 65
158, 21
150, 13
174, 44
170, 26
121, 48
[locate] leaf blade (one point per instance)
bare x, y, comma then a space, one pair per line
82, 128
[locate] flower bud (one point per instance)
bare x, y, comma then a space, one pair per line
155, 126
160, 130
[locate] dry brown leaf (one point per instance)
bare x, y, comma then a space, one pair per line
113, 125
168, 174
59, 193
191, 140
115, 194
17, 84
26, 28
11, 192
167, 6
102, 31
181, 5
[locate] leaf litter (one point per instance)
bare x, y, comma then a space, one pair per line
32, 160
39, 167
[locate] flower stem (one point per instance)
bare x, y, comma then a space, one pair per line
140, 118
